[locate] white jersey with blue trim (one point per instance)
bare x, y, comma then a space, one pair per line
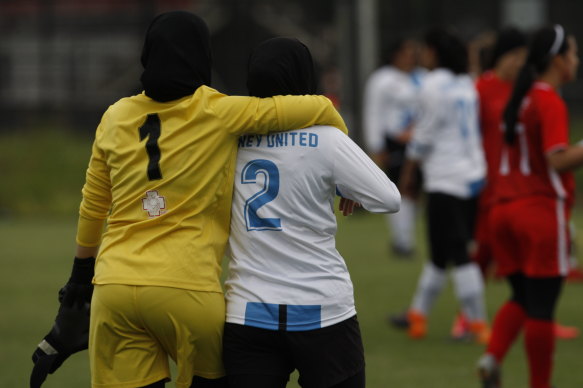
284, 271
446, 139
390, 105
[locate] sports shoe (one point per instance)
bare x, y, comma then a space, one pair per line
481, 332
575, 275
402, 252
399, 321
489, 371
417, 324
460, 329
565, 332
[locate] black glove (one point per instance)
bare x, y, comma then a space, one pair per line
70, 332
78, 290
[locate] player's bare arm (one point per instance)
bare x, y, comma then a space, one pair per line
566, 159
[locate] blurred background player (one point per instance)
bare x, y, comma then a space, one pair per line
389, 113
161, 173
494, 86
503, 62
290, 300
446, 144
532, 195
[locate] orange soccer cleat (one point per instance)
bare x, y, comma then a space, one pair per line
565, 332
481, 331
460, 328
417, 324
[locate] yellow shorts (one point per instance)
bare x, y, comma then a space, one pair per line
135, 328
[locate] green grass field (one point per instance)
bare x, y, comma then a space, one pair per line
36, 259
42, 175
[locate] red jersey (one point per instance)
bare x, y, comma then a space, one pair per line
494, 94
523, 169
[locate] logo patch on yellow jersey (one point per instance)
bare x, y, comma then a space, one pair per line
154, 204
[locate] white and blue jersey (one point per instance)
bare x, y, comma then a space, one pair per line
446, 139
390, 105
285, 272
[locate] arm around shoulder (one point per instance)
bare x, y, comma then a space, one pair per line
275, 114
296, 112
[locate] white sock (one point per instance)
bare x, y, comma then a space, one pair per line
402, 224
469, 288
430, 284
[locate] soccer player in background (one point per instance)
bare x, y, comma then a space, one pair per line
532, 195
290, 302
390, 108
494, 88
161, 175
446, 144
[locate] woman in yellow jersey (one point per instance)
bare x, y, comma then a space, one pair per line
161, 174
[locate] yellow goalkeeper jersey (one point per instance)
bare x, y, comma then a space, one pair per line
161, 174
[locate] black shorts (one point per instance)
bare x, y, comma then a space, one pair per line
450, 222
396, 152
396, 161
323, 357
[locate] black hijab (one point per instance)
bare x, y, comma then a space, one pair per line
281, 66
176, 56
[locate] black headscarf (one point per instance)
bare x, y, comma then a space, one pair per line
281, 66
176, 56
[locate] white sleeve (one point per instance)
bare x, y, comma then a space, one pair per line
373, 114
424, 130
358, 178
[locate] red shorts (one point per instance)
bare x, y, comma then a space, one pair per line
531, 235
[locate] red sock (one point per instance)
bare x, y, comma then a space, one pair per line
539, 341
507, 324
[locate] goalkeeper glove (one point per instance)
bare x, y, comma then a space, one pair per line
70, 332
78, 290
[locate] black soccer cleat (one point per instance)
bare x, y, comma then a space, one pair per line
399, 321
402, 252
489, 371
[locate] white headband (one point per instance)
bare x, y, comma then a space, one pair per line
559, 38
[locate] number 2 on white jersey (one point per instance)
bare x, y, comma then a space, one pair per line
269, 192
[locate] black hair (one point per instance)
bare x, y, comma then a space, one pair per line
508, 39
543, 47
485, 55
451, 51
391, 49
